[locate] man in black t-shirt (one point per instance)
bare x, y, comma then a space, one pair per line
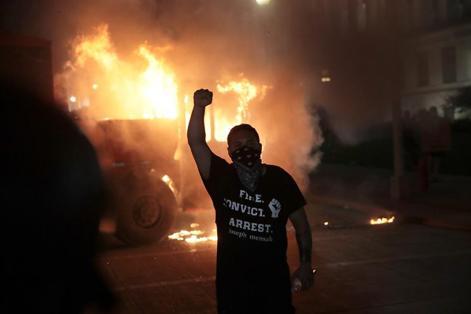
253, 203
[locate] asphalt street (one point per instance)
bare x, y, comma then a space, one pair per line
362, 268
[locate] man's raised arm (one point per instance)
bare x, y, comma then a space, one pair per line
196, 134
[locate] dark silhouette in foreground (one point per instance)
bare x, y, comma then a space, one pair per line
52, 199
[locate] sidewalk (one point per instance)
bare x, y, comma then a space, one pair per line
446, 204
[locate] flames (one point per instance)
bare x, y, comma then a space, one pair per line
246, 92
97, 47
142, 85
110, 86
382, 220
157, 87
194, 235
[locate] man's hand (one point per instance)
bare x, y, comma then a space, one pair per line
202, 98
302, 278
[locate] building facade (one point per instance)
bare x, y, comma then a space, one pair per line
437, 56
433, 38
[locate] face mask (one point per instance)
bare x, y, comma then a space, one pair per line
246, 156
248, 165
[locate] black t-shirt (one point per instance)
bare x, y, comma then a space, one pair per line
251, 227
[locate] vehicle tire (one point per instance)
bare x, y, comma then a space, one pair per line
146, 215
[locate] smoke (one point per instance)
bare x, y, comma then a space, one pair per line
289, 132
206, 42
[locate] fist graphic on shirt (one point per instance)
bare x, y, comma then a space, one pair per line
275, 208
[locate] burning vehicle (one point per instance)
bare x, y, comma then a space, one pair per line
134, 108
143, 194
135, 114
143, 200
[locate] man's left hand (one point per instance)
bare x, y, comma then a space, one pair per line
303, 274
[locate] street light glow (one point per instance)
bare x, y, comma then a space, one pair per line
263, 2
326, 79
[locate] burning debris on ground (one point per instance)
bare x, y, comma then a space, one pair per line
382, 220
194, 235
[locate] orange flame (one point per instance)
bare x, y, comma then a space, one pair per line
97, 47
381, 221
194, 236
246, 92
158, 87
143, 87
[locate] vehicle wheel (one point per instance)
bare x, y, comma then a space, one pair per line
147, 215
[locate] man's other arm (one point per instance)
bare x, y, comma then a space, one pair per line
196, 133
304, 239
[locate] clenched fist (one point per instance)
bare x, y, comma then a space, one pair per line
202, 98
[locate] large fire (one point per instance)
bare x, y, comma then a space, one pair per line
110, 86
107, 85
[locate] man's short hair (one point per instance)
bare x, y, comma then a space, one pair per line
242, 127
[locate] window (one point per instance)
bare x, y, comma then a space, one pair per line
449, 64
422, 69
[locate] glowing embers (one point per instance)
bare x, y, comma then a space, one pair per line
136, 86
381, 221
194, 235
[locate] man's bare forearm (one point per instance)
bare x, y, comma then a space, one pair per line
304, 240
196, 133
303, 235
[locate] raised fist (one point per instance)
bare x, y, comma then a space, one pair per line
202, 97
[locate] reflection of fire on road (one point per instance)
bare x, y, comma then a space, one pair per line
194, 235
381, 221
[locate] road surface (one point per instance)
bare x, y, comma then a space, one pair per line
393, 268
